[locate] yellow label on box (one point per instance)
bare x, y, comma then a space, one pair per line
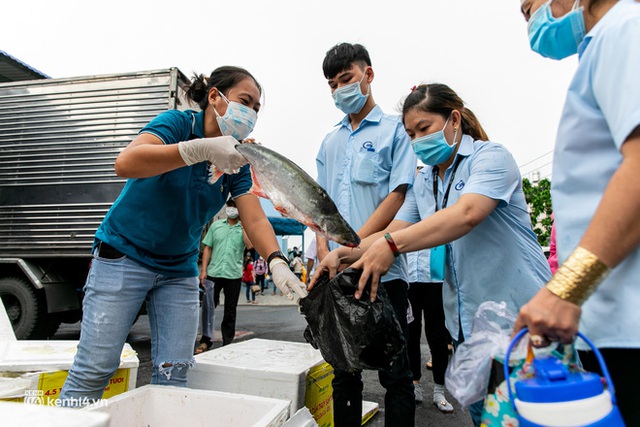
319, 394
50, 385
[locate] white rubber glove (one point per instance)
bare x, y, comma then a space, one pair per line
285, 280
220, 151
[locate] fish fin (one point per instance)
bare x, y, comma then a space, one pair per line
256, 189
214, 174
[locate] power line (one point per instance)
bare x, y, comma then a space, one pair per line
537, 158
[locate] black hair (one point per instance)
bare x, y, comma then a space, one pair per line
223, 78
341, 56
231, 202
441, 99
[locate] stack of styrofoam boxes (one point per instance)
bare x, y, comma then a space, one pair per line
166, 406
18, 414
268, 368
39, 368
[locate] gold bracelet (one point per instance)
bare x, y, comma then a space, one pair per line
578, 277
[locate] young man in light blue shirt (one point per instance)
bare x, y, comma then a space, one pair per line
366, 164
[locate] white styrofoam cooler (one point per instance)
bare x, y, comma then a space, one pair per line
20, 415
259, 367
167, 406
28, 360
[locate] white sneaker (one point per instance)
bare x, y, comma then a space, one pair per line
441, 403
417, 392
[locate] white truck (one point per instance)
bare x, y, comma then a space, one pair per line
58, 142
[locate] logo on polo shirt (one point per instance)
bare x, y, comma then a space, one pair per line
459, 186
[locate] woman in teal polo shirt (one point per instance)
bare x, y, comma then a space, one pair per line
595, 192
146, 248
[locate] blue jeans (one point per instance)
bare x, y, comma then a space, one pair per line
250, 294
208, 313
114, 292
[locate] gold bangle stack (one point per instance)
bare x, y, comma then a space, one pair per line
578, 277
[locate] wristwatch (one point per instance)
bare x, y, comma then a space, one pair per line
277, 254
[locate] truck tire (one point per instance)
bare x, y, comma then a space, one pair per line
26, 308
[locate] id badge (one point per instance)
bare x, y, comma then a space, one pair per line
437, 259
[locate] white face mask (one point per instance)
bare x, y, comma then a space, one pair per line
231, 212
238, 121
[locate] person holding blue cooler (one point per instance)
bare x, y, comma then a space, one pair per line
467, 206
146, 248
595, 191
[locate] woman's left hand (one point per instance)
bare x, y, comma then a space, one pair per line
375, 262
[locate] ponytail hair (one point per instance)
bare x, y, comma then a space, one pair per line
440, 99
222, 78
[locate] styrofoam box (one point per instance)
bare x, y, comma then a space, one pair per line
38, 357
168, 406
20, 415
267, 368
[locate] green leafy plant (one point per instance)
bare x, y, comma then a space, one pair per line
538, 197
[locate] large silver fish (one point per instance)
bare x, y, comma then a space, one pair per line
295, 194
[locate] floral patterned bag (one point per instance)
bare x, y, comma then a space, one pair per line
498, 411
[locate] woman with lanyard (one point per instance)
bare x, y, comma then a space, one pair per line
596, 197
146, 249
468, 206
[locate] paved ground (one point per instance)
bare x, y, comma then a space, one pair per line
277, 318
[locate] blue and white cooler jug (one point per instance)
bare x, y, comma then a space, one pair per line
556, 397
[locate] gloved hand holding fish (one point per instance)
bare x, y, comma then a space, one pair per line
220, 151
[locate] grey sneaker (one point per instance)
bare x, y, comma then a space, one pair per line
417, 391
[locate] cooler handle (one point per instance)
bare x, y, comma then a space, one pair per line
597, 353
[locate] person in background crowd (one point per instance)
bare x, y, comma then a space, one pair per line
296, 264
425, 297
467, 206
260, 268
249, 279
595, 192
146, 248
553, 254
222, 257
365, 164
311, 254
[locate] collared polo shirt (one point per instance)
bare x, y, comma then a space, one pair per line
419, 266
359, 168
158, 221
601, 110
227, 250
500, 259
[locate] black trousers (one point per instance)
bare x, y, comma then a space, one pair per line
426, 301
624, 366
399, 400
231, 288
260, 281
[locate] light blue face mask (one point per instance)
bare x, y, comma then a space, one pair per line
434, 149
349, 98
556, 38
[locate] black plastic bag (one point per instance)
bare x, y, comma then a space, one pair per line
351, 334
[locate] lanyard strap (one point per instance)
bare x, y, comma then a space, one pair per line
445, 199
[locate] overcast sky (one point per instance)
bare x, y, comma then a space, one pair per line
479, 48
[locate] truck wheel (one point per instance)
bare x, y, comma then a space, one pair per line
26, 309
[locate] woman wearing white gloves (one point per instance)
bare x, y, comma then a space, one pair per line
146, 248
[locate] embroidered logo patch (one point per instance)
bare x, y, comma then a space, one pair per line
460, 185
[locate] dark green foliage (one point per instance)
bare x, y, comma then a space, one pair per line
538, 198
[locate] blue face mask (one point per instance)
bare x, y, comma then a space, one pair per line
434, 149
349, 98
556, 38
